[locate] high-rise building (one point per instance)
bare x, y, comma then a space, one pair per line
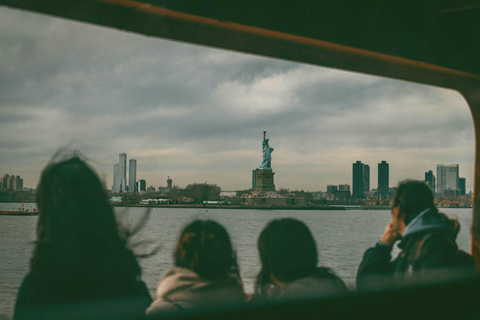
383, 180
120, 174
331, 189
366, 177
447, 177
462, 185
132, 175
169, 182
361, 179
10, 182
430, 180
122, 161
143, 185
3, 182
116, 178
343, 187
17, 183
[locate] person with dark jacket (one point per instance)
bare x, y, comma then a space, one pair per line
289, 258
205, 272
81, 267
428, 254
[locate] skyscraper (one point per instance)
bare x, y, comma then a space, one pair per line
361, 179
132, 175
430, 180
447, 177
462, 185
122, 161
116, 178
366, 177
143, 185
18, 183
383, 179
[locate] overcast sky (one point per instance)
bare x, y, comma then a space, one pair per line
197, 114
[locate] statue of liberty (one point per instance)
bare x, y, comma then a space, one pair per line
267, 153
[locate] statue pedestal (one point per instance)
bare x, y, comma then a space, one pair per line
264, 180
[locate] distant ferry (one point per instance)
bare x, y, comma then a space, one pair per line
19, 212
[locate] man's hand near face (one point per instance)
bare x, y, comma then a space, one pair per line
391, 234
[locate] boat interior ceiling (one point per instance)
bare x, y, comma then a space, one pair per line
430, 42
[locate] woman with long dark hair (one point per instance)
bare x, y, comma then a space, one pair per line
81, 264
289, 258
205, 271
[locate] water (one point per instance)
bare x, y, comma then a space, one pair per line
342, 237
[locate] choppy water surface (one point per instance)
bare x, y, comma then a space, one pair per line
342, 237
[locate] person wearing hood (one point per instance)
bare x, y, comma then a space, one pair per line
428, 250
205, 272
289, 258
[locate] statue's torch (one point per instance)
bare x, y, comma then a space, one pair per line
264, 133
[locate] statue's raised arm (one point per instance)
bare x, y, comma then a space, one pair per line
267, 153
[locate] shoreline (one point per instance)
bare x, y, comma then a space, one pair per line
220, 206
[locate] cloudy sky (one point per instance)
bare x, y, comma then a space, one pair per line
197, 114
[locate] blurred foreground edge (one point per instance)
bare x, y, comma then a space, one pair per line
424, 42
454, 300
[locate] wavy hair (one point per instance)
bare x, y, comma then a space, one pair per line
204, 247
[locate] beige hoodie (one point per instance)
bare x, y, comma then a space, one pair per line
182, 288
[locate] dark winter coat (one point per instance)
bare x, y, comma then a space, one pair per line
322, 283
98, 301
429, 254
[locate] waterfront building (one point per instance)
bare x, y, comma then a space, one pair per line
383, 180
143, 185
254, 178
430, 180
331, 189
122, 161
163, 190
120, 174
343, 187
224, 194
169, 182
366, 178
10, 180
3, 182
132, 175
361, 179
447, 177
342, 195
116, 178
317, 195
17, 183
462, 185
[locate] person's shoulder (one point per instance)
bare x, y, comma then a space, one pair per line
436, 241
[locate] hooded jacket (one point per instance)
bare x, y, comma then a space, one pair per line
429, 254
182, 288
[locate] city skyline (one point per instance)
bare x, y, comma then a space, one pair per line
197, 114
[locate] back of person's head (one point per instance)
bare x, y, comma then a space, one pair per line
205, 248
412, 197
287, 250
78, 235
